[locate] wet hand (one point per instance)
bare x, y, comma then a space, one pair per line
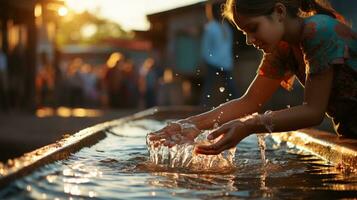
175, 133
229, 135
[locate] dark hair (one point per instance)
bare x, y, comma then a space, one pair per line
214, 10
266, 7
217, 11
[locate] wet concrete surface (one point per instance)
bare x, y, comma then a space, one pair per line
23, 132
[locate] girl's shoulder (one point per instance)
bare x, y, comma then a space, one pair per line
319, 26
325, 41
321, 19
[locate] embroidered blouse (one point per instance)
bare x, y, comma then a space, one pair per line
325, 43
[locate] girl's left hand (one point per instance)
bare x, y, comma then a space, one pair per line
232, 133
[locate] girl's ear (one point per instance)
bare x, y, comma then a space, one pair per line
280, 12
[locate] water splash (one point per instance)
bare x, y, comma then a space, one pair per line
265, 120
184, 156
262, 147
221, 89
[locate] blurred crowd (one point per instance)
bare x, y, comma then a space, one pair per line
118, 83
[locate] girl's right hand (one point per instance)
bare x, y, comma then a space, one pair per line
175, 133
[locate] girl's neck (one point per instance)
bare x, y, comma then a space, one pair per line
293, 30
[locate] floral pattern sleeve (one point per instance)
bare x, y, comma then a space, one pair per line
276, 66
322, 44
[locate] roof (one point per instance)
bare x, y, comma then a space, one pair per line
178, 10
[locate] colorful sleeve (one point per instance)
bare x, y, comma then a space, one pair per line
321, 44
275, 66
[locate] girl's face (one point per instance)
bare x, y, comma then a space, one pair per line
263, 32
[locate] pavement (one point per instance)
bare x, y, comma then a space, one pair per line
24, 132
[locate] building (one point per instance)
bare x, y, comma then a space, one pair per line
27, 31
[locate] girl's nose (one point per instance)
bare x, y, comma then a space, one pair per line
250, 40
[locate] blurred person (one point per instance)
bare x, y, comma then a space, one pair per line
90, 90
74, 84
3, 82
217, 55
45, 82
129, 87
148, 78
113, 79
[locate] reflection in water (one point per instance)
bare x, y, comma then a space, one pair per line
118, 167
220, 182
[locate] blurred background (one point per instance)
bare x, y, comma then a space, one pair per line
66, 65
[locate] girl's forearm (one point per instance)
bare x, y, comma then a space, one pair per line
226, 112
285, 120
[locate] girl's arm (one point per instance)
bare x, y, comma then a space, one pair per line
258, 93
260, 90
311, 112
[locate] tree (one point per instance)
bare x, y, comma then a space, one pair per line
87, 28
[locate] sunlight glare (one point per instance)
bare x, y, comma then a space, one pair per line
38, 10
88, 30
81, 5
131, 15
62, 11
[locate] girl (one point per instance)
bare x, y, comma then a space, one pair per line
306, 39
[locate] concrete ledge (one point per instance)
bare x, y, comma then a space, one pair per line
341, 152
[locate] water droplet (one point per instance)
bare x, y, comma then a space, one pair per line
230, 95
288, 106
221, 89
91, 194
208, 96
210, 55
231, 78
176, 74
199, 84
227, 100
237, 56
217, 73
222, 69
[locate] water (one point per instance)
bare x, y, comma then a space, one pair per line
183, 157
118, 167
262, 147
